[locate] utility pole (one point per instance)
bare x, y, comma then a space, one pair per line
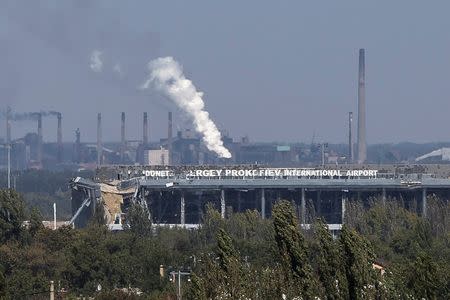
52, 290
179, 285
8, 143
9, 165
54, 216
178, 274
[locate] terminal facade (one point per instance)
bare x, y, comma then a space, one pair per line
179, 195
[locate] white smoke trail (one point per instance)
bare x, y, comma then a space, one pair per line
96, 63
167, 76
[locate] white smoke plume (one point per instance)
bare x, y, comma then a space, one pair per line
167, 76
96, 63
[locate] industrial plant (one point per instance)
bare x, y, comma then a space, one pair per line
176, 176
184, 147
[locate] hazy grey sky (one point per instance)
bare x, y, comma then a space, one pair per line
275, 70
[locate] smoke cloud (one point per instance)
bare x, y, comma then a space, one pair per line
167, 77
49, 38
96, 61
28, 116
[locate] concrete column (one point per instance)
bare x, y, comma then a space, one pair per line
303, 207
222, 204
424, 202
239, 201
343, 203
199, 206
383, 196
263, 203
160, 200
182, 210
88, 191
319, 203
145, 204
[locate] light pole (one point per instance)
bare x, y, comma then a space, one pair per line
323, 146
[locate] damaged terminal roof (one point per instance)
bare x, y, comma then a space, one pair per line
87, 195
113, 199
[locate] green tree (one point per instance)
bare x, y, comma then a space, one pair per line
2, 284
138, 220
254, 237
35, 222
87, 260
358, 258
293, 252
12, 215
328, 259
212, 222
210, 275
422, 277
230, 266
197, 289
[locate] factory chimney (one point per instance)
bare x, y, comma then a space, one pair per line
99, 140
122, 140
145, 130
350, 137
39, 142
362, 150
59, 144
78, 146
169, 137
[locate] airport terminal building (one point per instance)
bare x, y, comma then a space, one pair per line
179, 195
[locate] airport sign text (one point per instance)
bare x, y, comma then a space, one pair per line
261, 173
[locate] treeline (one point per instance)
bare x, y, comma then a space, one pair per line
242, 257
42, 188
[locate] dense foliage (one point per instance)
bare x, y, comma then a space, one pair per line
242, 257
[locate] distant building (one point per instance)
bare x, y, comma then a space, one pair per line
156, 157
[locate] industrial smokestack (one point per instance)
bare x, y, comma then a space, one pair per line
350, 137
145, 130
122, 140
39, 142
59, 144
99, 139
78, 146
169, 137
362, 147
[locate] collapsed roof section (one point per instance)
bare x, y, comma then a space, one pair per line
89, 196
